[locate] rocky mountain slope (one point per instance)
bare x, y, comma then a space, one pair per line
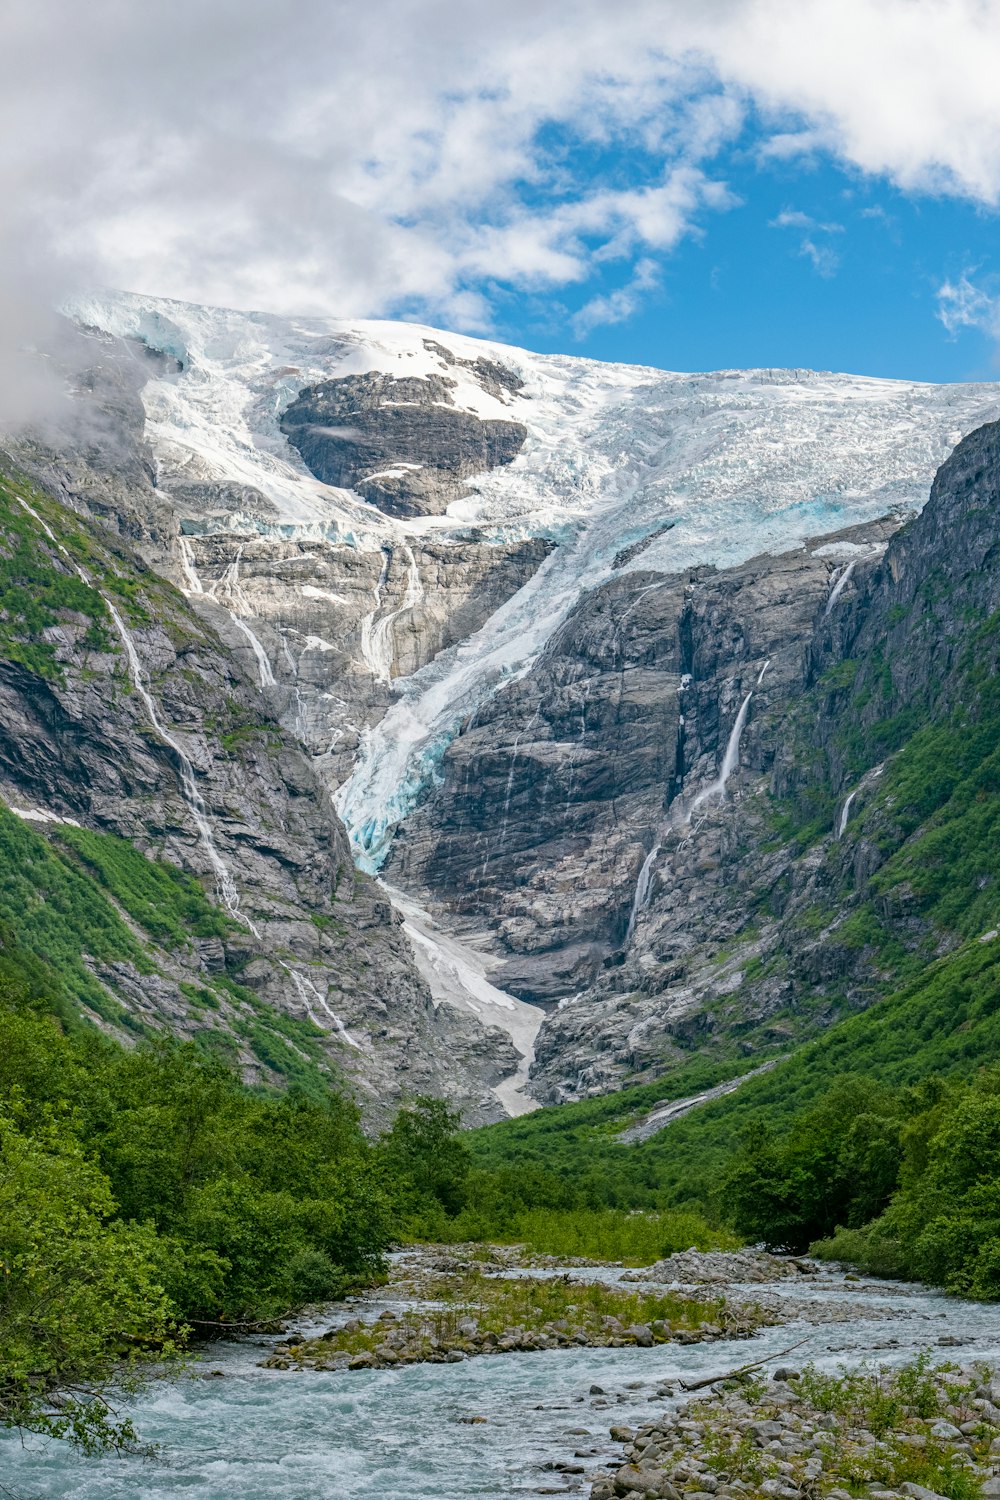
169, 849
568, 644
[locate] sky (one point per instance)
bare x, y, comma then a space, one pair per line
693, 184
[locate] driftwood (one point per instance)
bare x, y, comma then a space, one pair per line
255, 1325
697, 1385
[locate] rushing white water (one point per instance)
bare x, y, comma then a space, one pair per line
730, 760
839, 586
844, 811
642, 887
405, 1435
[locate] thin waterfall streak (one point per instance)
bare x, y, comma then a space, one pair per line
373, 664
730, 760
228, 591
838, 587
304, 987
510, 774
763, 669
225, 884
844, 811
260, 655
189, 789
188, 566
381, 635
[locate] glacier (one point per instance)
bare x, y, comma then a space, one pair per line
710, 468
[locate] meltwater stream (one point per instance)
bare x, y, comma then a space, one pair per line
407, 1434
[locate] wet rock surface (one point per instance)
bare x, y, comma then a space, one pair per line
569, 818
801, 1434
722, 1267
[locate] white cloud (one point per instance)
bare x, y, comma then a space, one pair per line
963, 304
793, 218
824, 260
617, 306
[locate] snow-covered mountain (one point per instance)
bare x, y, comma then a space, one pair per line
702, 469
526, 613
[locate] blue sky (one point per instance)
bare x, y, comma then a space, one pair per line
757, 285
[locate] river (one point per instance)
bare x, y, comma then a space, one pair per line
408, 1434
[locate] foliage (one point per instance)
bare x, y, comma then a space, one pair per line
169, 904
633, 1237
838, 1163
39, 589
79, 1290
943, 1225
148, 1189
428, 1161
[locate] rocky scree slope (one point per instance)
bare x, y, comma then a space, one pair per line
169, 849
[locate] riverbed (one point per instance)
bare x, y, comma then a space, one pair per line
481, 1429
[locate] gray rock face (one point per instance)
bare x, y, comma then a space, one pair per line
399, 442
556, 796
584, 812
337, 626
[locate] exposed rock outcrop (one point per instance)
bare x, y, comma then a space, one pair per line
400, 443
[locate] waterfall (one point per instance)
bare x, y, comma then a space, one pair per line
380, 654
844, 811
196, 804
730, 761
372, 661
304, 987
760, 676
838, 587
510, 774
229, 584
642, 887
260, 655
188, 567
224, 882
